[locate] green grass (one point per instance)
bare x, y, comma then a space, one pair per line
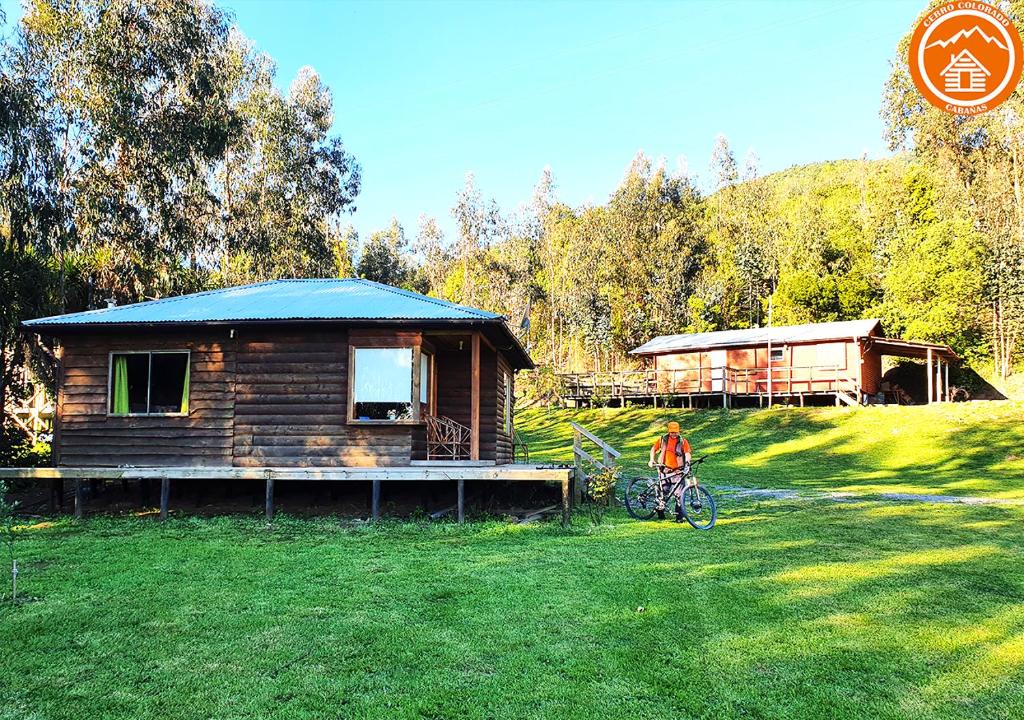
797, 610
953, 449
788, 608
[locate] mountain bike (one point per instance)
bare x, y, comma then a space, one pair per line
645, 494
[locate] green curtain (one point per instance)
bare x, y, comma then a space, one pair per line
184, 391
120, 385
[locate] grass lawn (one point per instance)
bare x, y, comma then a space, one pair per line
788, 608
796, 610
954, 449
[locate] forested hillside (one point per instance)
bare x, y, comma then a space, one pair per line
147, 151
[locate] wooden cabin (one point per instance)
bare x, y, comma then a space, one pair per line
836, 361
287, 373
311, 380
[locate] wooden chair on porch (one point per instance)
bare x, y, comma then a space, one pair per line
447, 439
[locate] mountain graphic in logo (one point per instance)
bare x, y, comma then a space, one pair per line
964, 35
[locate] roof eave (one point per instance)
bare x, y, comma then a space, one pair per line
745, 344
513, 348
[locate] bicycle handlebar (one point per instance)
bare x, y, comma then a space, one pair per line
693, 464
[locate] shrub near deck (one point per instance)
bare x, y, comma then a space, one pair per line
799, 611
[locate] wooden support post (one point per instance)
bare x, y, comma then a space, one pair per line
566, 517
79, 498
946, 383
931, 377
474, 398
375, 501
270, 499
53, 495
461, 502
165, 496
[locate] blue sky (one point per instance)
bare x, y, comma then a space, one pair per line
426, 92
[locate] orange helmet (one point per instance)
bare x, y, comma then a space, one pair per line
673, 427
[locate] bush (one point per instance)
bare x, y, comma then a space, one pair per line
600, 490
17, 451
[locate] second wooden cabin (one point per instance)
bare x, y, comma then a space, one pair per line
838, 362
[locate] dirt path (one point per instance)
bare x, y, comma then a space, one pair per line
836, 496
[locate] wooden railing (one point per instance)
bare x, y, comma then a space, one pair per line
605, 459
447, 439
785, 380
520, 450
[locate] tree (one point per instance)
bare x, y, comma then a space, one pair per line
345, 242
435, 254
479, 223
286, 180
383, 258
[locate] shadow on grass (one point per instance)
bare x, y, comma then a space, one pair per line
955, 449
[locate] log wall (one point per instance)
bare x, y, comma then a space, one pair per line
89, 437
263, 398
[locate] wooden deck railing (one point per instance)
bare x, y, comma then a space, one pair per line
785, 380
605, 459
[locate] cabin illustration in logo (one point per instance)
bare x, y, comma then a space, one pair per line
964, 74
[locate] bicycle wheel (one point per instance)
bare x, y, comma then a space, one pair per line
641, 497
699, 507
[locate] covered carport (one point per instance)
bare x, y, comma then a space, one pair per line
937, 359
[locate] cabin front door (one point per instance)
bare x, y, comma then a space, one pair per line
718, 370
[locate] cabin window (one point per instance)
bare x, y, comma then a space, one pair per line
508, 403
382, 384
149, 383
425, 360
778, 354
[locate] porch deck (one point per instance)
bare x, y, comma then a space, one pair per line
725, 382
431, 472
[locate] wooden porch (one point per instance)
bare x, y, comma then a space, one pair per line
460, 472
702, 383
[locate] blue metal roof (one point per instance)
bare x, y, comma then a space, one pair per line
341, 299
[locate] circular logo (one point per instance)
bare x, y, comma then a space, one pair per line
966, 57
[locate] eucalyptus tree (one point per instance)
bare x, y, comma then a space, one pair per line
479, 223
130, 95
384, 257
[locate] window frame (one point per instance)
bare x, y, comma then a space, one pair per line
149, 381
431, 394
782, 354
417, 406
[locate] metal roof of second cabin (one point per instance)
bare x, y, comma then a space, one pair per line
782, 334
277, 300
